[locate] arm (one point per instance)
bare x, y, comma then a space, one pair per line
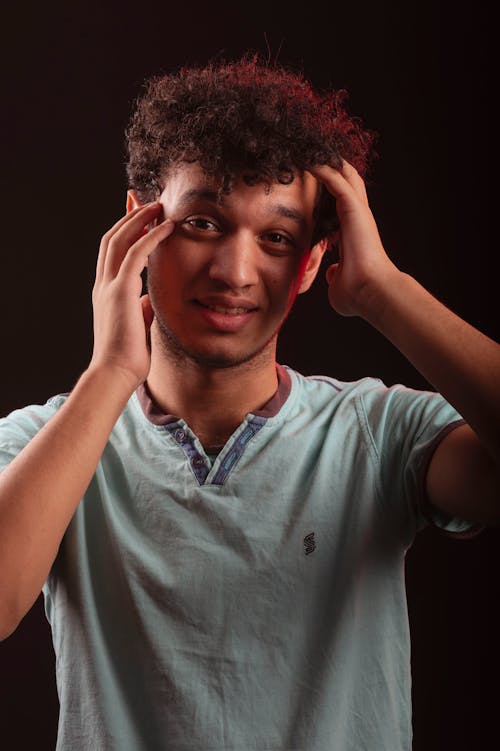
41, 488
459, 361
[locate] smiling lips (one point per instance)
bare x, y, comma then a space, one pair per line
227, 305
226, 313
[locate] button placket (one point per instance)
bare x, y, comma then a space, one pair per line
199, 466
180, 435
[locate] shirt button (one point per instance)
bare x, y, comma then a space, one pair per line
198, 461
180, 435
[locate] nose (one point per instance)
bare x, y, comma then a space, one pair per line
235, 262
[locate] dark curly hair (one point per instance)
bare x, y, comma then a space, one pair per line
245, 118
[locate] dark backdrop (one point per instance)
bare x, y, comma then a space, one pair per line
418, 73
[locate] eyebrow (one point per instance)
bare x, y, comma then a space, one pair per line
200, 194
288, 213
212, 196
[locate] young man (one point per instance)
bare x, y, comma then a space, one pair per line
220, 540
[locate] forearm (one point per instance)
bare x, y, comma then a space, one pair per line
458, 360
41, 488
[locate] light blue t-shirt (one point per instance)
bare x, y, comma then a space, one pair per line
252, 603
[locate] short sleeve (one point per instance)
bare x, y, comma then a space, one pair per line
20, 426
406, 426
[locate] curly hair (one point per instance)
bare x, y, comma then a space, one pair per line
243, 119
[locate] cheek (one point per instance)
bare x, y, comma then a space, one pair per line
283, 287
162, 275
297, 276
157, 258
165, 263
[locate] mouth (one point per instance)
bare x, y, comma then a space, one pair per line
225, 315
227, 311
226, 305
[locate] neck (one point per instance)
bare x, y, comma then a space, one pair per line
213, 401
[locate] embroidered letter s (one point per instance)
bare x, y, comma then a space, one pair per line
309, 543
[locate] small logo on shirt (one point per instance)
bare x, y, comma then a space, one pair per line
309, 543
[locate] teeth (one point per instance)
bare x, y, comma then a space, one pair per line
227, 311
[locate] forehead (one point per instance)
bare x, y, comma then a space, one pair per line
186, 184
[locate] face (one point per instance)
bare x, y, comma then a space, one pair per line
223, 283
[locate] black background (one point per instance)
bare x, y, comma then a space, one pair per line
421, 75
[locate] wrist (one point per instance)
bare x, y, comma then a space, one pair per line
113, 379
381, 298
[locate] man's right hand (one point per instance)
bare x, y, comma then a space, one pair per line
43, 485
122, 318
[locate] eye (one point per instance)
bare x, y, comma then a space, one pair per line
279, 241
201, 223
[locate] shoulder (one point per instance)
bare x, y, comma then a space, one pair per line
396, 413
21, 425
371, 393
326, 387
31, 417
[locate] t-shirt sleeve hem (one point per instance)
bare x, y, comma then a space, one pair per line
446, 525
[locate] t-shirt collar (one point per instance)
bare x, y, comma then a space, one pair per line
154, 413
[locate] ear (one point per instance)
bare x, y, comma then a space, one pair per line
312, 265
133, 201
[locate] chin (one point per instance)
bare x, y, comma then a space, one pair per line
213, 357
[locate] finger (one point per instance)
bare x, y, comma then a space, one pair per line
125, 233
103, 248
333, 179
353, 177
137, 255
345, 182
